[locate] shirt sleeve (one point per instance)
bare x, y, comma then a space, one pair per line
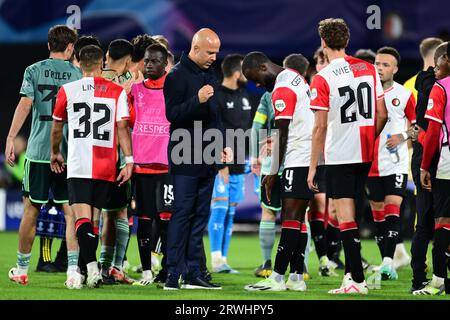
284, 101
436, 102
60, 111
27, 88
122, 107
320, 94
379, 91
410, 109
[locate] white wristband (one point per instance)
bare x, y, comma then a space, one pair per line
405, 136
129, 159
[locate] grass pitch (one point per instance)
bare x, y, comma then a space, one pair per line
244, 256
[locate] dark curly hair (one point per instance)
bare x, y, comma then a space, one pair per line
335, 33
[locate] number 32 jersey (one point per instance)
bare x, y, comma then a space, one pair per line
92, 106
348, 88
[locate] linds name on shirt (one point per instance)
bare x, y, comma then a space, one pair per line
348, 69
97, 87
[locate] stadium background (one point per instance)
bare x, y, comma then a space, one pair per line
277, 28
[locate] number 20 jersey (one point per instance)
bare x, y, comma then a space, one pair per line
348, 88
92, 106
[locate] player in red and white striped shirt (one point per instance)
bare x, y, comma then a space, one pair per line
388, 176
95, 110
347, 97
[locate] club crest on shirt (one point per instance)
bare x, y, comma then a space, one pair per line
395, 102
280, 105
430, 104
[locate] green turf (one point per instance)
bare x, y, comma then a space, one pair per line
244, 256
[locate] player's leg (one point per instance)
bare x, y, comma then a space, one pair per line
401, 256
292, 213
236, 195
376, 195
164, 206
267, 226
333, 236
27, 231
344, 184
377, 209
395, 188
316, 217
108, 241
266, 240
295, 196
441, 240
392, 228
216, 224
146, 211
297, 264
35, 187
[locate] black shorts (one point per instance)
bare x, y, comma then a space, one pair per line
89, 191
321, 179
38, 180
377, 188
441, 198
275, 199
294, 184
154, 194
118, 197
346, 180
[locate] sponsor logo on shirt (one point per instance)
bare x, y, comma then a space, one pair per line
230, 105
430, 104
280, 105
245, 104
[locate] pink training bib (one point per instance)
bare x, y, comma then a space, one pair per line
150, 135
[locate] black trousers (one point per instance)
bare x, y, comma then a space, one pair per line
425, 219
185, 251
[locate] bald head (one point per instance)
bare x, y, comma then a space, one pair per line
204, 48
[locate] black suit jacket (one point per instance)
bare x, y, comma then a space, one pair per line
183, 108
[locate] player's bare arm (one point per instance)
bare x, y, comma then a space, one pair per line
56, 158
20, 115
283, 128
381, 116
318, 141
123, 133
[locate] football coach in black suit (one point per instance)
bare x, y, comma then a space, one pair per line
191, 109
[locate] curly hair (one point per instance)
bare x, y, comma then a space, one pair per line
335, 33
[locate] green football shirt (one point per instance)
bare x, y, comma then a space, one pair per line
112, 75
41, 83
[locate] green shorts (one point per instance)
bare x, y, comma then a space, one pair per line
275, 197
39, 180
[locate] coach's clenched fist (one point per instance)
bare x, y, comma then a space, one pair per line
205, 93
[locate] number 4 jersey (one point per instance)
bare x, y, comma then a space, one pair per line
348, 88
92, 106
41, 82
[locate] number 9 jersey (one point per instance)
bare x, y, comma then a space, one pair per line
92, 106
348, 88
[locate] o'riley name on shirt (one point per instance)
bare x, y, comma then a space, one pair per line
57, 75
